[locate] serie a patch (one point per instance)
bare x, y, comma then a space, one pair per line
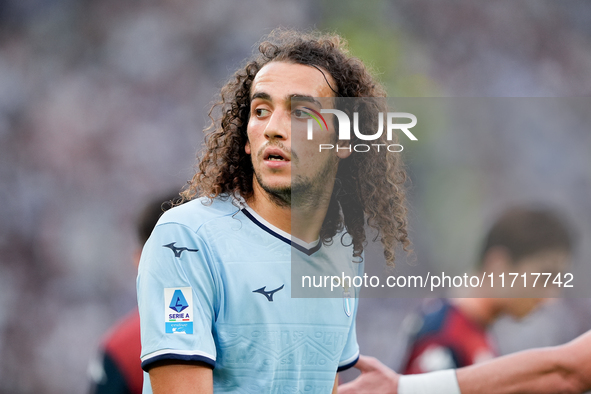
178, 310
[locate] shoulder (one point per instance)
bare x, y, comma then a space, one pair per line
198, 212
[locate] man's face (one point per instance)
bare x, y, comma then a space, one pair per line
284, 162
552, 262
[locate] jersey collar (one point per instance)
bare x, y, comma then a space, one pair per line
305, 247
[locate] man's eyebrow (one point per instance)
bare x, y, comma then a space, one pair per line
292, 97
261, 95
304, 98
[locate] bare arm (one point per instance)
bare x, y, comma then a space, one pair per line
560, 369
181, 378
564, 369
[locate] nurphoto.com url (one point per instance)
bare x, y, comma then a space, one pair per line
433, 282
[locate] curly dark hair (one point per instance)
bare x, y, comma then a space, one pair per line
369, 187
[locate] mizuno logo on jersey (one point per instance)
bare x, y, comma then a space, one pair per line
178, 251
268, 294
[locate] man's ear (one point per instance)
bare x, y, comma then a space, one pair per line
344, 149
247, 147
497, 259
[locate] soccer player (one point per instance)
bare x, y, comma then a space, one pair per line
117, 369
214, 279
453, 332
558, 369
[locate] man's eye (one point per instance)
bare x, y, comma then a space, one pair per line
298, 113
261, 112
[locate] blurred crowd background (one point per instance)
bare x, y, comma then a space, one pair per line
102, 107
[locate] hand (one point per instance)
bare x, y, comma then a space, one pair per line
375, 378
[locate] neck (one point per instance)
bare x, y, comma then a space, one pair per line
301, 219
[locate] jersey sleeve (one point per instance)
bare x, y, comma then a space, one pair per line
350, 353
176, 297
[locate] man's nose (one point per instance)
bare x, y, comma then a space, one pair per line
279, 126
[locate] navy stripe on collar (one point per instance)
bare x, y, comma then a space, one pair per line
281, 237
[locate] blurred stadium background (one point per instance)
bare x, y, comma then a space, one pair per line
102, 104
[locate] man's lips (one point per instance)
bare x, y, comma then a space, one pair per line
275, 154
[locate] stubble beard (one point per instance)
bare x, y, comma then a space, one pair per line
303, 192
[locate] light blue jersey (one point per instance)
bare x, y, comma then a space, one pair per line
214, 287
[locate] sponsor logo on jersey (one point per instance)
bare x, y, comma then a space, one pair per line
178, 251
268, 294
178, 311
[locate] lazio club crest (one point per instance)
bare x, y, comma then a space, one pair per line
347, 302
